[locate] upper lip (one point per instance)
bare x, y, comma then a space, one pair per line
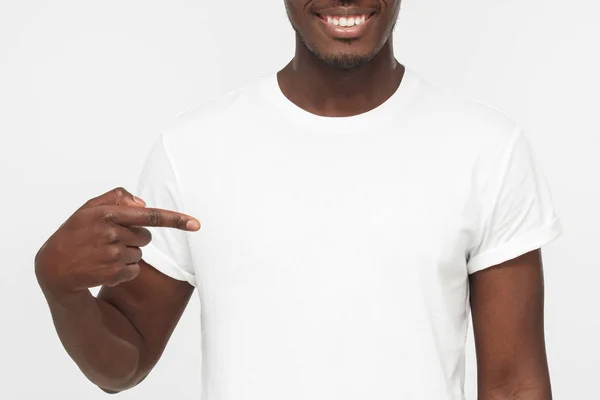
343, 11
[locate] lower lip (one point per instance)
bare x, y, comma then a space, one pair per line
345, 32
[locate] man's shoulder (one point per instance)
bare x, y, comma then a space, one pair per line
219, 112
458, 112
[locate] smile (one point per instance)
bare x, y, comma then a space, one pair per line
343, 25
349, 20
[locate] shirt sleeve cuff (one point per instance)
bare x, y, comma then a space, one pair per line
516, 247
164, 264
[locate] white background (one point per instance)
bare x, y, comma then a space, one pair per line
85, 88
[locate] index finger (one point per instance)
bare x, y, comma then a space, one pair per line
137, 216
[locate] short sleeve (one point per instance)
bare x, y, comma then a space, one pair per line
518, 211
168, 251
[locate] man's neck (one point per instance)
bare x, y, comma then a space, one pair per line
327, 91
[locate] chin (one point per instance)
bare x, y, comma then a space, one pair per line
344, 54
345, 61
349, 57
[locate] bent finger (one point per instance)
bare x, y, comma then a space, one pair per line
116, 196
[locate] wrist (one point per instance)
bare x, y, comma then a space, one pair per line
63, 300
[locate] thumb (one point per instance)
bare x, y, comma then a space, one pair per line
118, 196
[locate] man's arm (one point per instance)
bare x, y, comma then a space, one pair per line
117, 337
507, 303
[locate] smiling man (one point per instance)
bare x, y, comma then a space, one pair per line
353, 213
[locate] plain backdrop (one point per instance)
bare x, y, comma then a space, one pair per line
86, 87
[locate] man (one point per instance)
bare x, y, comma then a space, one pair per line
353, 213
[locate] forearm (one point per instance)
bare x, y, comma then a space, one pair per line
534, 394
516, 389
102, 342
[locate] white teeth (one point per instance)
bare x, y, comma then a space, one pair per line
347, 21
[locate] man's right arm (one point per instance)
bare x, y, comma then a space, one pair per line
117, 337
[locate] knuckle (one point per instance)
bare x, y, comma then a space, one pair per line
114, 253
110, 215
181, 221
155, 217
119, 193
115, 272
112, 235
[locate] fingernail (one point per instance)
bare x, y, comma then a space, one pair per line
192, 225
139, 201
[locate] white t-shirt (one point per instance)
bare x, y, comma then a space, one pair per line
334, 252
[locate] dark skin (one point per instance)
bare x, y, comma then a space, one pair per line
507, 306
335, 76
117, 337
